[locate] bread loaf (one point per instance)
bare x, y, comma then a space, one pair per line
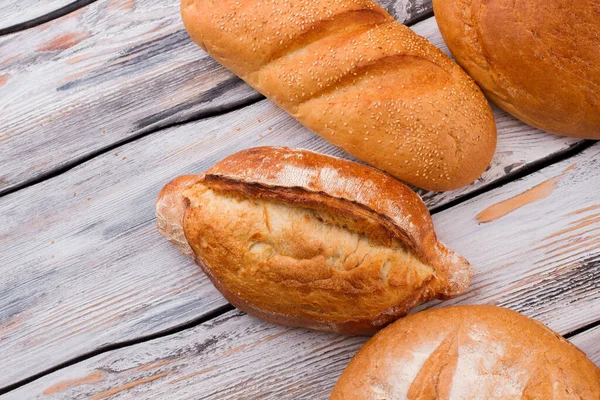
468, 353
355, 76
538, 59
303, 239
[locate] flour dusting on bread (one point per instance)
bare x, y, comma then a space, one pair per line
483, 369
408, 368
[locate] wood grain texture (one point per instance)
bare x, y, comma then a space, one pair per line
108, 72
83, 265
18, 12
231, 357
541, 258
589, 342
95, 77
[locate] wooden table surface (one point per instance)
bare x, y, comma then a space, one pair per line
103, 102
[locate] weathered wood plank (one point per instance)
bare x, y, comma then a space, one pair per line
106, 73
589, 342
82, 265
231, 357
534, 243
13, 13
103, 74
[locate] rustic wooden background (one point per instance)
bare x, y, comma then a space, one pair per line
103, 102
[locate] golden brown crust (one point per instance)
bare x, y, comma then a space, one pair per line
359, 79
468, 353
305, 178
538, 60
303, 239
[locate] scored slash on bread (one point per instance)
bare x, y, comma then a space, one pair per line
303, 239
468, 353
352, 74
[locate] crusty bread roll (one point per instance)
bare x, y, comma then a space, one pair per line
303, 239
539, 59
468, 353
351, 73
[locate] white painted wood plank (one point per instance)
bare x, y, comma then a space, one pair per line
105, 73
542, 258
231, 357
589, 342
17, 12
82, 265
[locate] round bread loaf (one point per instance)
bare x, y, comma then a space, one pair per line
539, 60
468, 352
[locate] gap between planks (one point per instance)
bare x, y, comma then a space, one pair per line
217, 312
42, 19
585, 328
535, 166
203, 114
173, 331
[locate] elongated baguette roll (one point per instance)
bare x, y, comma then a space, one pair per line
468, 353
355, 76
303, 239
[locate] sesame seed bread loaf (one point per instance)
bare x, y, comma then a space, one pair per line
355, 76
303, 239
538, 59
468, 353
